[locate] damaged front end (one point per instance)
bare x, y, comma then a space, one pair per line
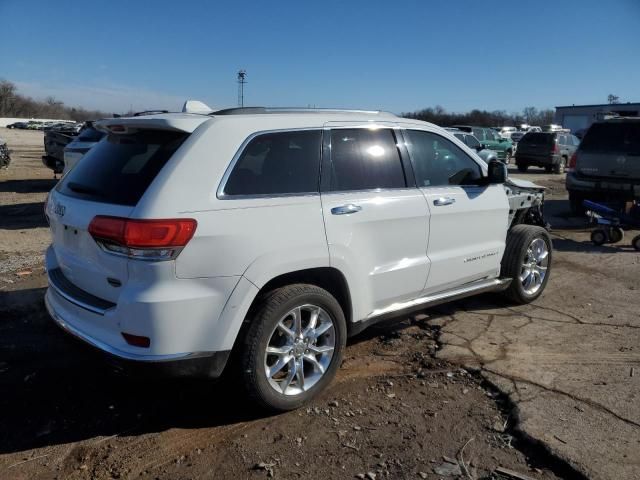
526, 203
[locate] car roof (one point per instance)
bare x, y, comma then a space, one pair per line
257, 117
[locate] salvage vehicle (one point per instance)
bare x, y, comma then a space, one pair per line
473, 143
491, 140
276, 234
55, 140
548, 150
80, 145
5, 158
18, 125
606, 165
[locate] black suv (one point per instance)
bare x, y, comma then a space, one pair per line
551, 150
606, 167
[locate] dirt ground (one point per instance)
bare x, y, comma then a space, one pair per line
548, 390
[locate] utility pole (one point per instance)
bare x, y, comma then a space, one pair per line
242, 79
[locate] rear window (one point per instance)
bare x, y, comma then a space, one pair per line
120, 169
537, 138
90, 135
613, 137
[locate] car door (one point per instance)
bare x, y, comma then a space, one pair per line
376, 219
468, 220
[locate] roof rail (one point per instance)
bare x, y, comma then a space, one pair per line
276, 110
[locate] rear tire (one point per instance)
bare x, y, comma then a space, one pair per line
507, 157
575, 203
599, 236
559, 167
527, 261
548, 168
275, 338
616, 234
635, 243
522, 168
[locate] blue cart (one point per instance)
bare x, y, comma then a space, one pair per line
612, 224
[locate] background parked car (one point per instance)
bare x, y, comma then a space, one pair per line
473, 143
80, 145
550, 150
606, 166
505, 132
5, 159
19, 125
491, 140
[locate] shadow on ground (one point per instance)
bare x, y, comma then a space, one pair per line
57, 390
22, 216
28, 186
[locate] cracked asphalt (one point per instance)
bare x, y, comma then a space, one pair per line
570, 362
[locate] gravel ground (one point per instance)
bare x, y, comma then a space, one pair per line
401, 406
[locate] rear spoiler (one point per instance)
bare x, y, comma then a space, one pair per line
174, 122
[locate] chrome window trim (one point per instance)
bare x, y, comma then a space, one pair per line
220, 193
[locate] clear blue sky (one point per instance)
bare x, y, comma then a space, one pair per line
393, 55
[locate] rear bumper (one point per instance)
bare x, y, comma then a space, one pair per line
612, 189
537, 161
192, 364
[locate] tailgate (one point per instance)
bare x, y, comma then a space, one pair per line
80, 259
109, 181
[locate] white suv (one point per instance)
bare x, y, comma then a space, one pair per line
276, 234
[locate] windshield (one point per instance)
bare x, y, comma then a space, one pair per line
613, 137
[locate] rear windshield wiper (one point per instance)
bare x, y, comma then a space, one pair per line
79, 188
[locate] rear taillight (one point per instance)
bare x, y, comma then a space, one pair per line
573, 161
142, 239
555, 148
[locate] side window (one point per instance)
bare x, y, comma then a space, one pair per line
576, 140
364, 159
562, 139
438, 162
471, 141
479, 133
277, 163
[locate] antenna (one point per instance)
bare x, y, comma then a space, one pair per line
242, 79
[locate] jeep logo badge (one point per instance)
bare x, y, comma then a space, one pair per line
59, 209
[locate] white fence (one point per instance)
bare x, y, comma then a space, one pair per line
6, 121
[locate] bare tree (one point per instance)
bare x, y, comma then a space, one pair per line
611, 98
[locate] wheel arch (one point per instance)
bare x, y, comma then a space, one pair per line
329, 278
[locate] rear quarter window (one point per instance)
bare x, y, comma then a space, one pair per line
279, 163
120, 169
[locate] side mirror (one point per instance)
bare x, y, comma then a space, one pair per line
479, 147
497, 172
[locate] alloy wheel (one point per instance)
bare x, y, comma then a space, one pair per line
534, 267
300, 349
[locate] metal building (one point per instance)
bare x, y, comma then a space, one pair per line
578, 117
